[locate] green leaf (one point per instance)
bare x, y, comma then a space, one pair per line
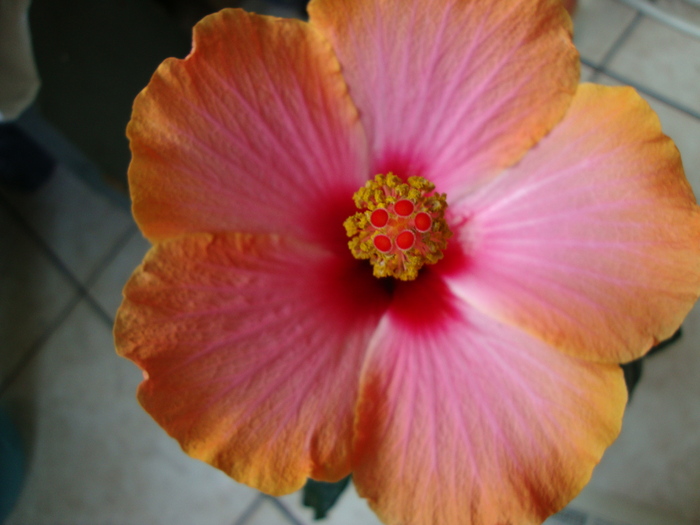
321, 496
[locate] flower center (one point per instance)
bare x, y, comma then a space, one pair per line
400, 227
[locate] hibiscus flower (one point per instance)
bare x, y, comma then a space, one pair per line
400, 241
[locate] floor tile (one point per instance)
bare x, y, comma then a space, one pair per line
683, 9
662, 59
586, 73
268, 513
597, 26
656, 459
79, 224
107, 289
33, 293
303, 514
96, 457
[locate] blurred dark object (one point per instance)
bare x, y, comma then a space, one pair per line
633, 373
11, 465
94, 57
19, 79
294, 4
24, 165
215, 5
321, 496
189, 12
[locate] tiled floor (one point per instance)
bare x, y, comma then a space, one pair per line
95, 458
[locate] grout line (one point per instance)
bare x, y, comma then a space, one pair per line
104, 316
80, 289
642, 89
67, 154
602, 69
102, 264
107, 259
620, 41
284, 510
43, 246
243, 518
111, 254
676, 23
37, 346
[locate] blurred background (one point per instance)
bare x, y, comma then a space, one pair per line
76, 447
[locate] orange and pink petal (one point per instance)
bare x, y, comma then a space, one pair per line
592, 241
256, 118
462, 419
452, 90
251, 348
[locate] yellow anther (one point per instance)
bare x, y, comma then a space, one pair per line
400, 226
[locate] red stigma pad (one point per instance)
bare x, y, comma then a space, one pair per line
405, 240
423, 222
404, 208
382, 243
379, 218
